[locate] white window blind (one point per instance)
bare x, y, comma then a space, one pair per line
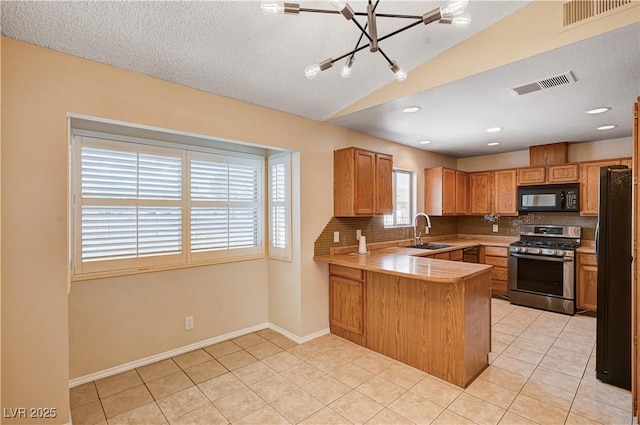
225, 205
140, 206
279, 175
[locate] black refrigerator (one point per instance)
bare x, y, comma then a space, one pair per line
613, 252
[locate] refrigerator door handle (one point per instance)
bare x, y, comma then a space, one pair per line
597, 234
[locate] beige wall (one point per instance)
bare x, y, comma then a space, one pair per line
49, 336
578, 152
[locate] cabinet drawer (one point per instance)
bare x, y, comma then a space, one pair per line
496, 251
442, 256
498, 273
587, 259
496, 261
348, 272
499, 287
455, 255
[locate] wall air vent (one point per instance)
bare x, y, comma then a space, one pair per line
578, 10
546, 83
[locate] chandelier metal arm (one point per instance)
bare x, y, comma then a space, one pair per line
366, 34
382, 15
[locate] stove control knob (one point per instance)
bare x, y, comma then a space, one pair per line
548, 251
536, 251
559, 253
522, 249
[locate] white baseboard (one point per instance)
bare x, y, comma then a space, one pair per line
185, 349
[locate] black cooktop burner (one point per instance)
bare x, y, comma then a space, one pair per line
546, 244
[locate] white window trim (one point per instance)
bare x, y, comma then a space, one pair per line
280, 253
93, 270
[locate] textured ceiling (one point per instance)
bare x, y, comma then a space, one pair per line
230, 48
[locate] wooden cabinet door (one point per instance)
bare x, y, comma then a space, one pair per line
590, 185
347, 304
462, 192
587, 282
505, 192
365, 177
448, 191
563, 173
480, 190
553, 154
531, 176
384, 184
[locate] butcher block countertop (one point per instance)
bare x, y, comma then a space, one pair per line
408, 262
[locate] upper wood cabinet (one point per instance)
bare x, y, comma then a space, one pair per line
462, 192
446, 191
590, 185
553, 154
362, 183
481, 192
505, 187
566, 173
534, 175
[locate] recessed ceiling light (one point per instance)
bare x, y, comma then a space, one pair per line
424, 142
598, 110
493, 129
493, 143
606, 127
411, 109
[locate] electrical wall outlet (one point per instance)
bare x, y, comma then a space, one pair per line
495, 228
188, 323
358, 234
336, 236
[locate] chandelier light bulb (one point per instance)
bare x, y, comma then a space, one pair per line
339, 4
461, 21
399, 74
272, 7
312, 71
453, 8
345, 72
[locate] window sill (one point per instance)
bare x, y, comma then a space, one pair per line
115, 273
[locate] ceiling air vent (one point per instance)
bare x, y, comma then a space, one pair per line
578, 10
547, 83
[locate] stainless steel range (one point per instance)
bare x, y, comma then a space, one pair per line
542, 267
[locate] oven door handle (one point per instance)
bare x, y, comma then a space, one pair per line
543, 258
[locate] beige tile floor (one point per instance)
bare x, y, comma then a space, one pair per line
541, 372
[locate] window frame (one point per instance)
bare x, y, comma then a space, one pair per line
412, 198
186, 258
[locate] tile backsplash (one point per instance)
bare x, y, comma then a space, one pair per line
509, 226
374, 230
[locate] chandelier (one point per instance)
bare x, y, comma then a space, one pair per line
451, 13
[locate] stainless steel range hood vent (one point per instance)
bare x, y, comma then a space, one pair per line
546, 83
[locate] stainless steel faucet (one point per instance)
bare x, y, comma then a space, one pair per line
417, 237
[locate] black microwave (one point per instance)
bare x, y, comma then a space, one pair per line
549, 197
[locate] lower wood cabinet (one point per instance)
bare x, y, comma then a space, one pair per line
498, 257
347, 297
586, 282
456, 255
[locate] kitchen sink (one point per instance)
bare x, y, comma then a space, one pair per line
431, 246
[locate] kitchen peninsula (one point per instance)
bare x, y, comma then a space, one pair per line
432, 314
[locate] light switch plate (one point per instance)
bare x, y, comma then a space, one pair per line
495, 228
336, 236
358, 234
